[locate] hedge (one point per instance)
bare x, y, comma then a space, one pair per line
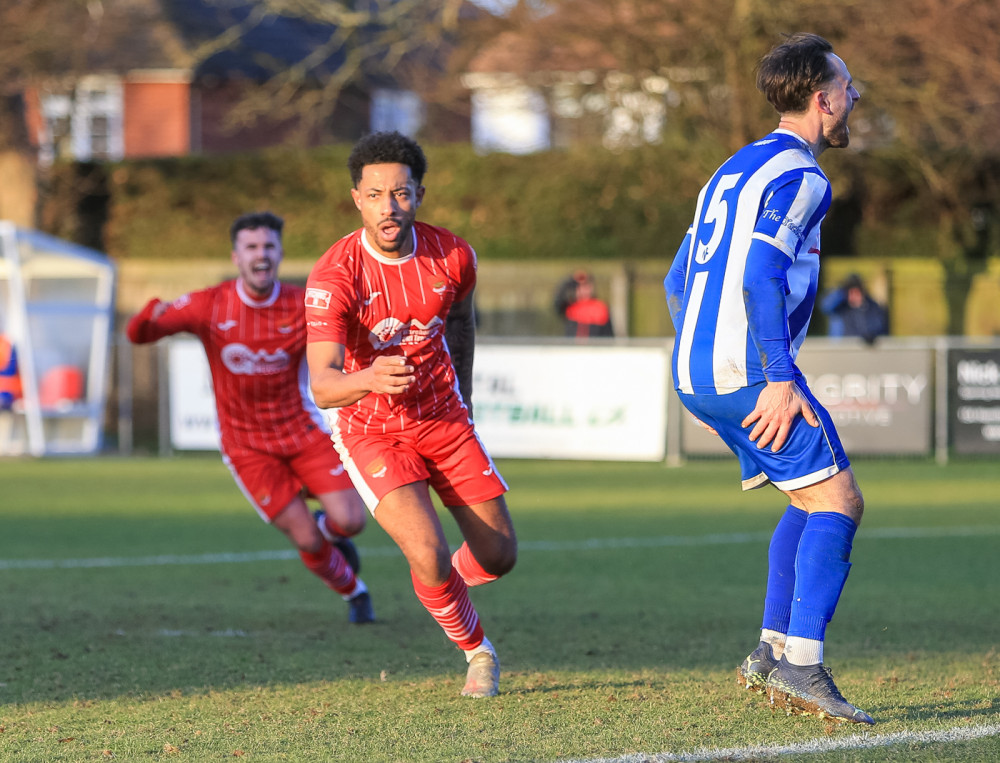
581, 204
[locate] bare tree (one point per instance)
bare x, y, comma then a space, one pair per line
932, 74
37, 37
353, 45
703, 51
929, 71
332, 49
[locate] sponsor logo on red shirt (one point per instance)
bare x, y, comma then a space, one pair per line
318, 298
392, 331
240, 359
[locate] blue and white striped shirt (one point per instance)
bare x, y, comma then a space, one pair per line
743, 284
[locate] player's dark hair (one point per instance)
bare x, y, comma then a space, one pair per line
794, 70
255, 220
387, 148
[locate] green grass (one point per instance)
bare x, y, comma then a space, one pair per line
619, 630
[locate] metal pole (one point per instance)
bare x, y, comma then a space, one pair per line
675, 413
621, 286
941, 434
126, 387
163, 398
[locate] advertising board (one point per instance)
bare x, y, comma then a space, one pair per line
974, 400
553, 401
880, 398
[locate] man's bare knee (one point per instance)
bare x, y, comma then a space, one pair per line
499, 557
430, 566
353, 525
346, 510
501, 564
306, 539
856, 507
854, 502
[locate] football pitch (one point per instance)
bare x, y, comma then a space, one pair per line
147, 614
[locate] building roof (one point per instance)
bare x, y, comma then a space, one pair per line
131, 34
516, 53
192, 34
585, 35
263, 42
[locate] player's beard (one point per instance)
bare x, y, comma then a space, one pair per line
397, 243
838, 134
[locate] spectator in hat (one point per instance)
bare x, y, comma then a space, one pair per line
851, 311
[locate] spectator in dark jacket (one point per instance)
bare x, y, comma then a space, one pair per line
851, 311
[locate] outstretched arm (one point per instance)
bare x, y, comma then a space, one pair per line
144, 326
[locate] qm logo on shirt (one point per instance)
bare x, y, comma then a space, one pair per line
392, 331
240, 359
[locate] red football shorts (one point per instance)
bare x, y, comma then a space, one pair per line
446, 452
270, 481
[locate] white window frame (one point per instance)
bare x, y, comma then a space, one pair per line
93, 97
401, 110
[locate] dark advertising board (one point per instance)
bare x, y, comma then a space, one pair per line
880, 398
974, 400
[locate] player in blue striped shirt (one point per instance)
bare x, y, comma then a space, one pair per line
740, 292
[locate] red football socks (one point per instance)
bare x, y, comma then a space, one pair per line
331, 567
471, 571
449, 604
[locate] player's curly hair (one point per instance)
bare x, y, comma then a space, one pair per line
387, 148
255, 220
794, 70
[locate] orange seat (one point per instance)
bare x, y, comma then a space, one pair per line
61, 386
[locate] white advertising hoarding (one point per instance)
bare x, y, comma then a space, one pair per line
529, 401
194, 424
573, 402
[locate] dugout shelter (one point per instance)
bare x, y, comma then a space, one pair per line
56, 315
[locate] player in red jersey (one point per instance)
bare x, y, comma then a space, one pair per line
378, 306
273, 439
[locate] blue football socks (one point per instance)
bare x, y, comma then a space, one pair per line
821, 568
781, 569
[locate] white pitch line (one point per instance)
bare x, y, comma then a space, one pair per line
587, 544
713, 539
751, 752
815, 746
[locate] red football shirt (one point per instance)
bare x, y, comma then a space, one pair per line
375, 305
256, 351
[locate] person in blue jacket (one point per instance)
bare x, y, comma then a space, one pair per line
851, 311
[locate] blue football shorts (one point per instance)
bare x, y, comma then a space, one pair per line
809, 455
